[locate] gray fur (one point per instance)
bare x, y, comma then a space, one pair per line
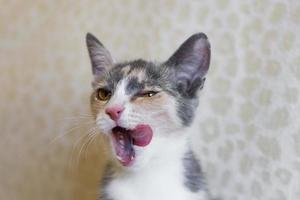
114, 76
134, 86
194, 179
186, 110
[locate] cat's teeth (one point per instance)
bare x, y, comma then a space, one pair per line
122, 142
119, 157
131, 157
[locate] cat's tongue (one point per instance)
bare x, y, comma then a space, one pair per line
142, 135
123, 141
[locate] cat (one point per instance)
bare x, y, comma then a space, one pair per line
147, 112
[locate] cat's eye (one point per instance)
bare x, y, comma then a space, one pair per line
147, 94
103, 94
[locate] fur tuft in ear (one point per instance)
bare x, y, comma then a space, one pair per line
100, 57
190, 64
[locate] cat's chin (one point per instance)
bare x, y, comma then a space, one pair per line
124, 141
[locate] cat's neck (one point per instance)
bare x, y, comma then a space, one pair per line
172, 152
166, 151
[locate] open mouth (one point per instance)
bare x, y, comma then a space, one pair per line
125, 139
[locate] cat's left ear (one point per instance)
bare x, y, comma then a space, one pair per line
190, 63
101, 59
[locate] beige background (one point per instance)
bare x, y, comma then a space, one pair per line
249, 130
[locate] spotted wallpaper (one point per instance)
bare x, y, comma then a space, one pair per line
249, 124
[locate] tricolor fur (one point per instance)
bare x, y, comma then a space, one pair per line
146, 110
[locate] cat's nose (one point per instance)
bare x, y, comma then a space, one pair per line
114, 112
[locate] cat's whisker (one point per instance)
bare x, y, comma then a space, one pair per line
88, 135
91, 140
84, 146
81, 124
79, 121
77, 118
71, 130
72, 159
82, 116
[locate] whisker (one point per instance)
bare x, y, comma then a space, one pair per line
77, 117
88, 135
74, 148
82, 116
92, 139
71, 130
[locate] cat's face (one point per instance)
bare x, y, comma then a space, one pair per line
138, 103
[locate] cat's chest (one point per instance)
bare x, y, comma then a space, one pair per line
159, 184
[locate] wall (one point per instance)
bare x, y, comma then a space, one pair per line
249, 130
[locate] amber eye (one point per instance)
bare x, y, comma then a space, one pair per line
103, 94
147, 94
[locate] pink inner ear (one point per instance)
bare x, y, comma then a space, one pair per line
191, 60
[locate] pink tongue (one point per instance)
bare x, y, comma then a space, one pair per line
142, 135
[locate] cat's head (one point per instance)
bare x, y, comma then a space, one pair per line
139, 103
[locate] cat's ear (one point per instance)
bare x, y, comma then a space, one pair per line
190, 63
101, 59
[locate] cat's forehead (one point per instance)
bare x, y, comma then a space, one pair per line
138, 75
136, 69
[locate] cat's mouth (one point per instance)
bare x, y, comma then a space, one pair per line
124, 139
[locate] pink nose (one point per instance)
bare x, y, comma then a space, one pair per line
114, 112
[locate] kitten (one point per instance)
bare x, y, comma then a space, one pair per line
146, 110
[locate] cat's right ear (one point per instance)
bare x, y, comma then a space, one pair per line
101, 59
